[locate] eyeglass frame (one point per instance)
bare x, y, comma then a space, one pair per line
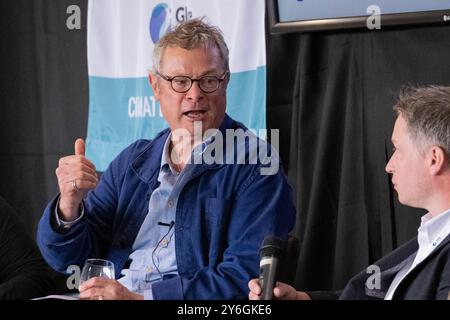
220, 80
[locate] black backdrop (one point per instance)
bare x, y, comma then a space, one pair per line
329, 93
44, 97
340, 101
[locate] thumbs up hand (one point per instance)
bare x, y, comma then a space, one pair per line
76, 176
80, 148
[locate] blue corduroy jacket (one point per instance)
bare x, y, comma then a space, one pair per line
223, 214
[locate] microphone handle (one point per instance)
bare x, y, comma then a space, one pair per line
268, 274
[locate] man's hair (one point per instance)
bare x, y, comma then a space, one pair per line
426, 111
189, 35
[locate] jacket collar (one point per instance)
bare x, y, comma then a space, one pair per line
147, 164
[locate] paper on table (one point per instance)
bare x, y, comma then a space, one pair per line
73, 296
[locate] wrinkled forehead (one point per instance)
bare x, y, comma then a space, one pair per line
201, 59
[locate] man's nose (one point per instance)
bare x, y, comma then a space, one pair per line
195, 93
389, 168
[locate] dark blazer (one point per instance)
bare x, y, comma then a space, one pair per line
23, 272
429, 280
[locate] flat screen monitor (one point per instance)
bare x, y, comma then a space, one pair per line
316, 15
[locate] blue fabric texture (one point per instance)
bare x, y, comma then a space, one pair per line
223, 213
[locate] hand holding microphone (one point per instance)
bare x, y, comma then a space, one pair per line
267, 287
270, 256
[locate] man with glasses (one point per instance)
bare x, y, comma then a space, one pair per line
175, 228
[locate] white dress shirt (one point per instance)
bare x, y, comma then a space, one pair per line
431, 232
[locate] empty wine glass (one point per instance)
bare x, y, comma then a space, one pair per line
97, 268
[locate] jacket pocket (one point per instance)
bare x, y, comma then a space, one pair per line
216, 217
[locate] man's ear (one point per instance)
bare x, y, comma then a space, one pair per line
438, 160
153, 79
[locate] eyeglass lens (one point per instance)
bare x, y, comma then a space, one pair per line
207, 84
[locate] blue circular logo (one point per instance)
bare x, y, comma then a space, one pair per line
159, 22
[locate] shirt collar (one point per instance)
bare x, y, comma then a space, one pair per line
198, 150
433, 230
165, 153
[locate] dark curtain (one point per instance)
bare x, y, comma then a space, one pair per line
43, 98
337, 90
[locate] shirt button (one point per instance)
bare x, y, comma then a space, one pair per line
149, 269
164, 242
170, 203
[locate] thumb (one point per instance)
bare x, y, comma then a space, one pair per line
80, 148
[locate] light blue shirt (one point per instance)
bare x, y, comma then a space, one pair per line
153, 252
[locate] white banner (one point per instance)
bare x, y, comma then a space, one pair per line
121, 38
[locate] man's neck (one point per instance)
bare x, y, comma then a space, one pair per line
439, 200
180, 152
440, 204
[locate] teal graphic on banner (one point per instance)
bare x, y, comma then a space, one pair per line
122, 110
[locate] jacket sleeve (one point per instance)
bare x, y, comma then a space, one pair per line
263, 206
443, 289
324, 295
92, 235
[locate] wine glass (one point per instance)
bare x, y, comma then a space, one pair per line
97, 268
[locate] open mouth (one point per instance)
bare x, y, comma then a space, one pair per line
195, 115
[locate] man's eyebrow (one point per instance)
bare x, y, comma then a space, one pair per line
204, 73
209, 71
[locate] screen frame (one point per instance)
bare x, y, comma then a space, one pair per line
397, 19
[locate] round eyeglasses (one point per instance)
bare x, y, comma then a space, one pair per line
183, 84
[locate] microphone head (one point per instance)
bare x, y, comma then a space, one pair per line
271, 247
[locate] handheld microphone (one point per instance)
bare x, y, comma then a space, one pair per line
270, 255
